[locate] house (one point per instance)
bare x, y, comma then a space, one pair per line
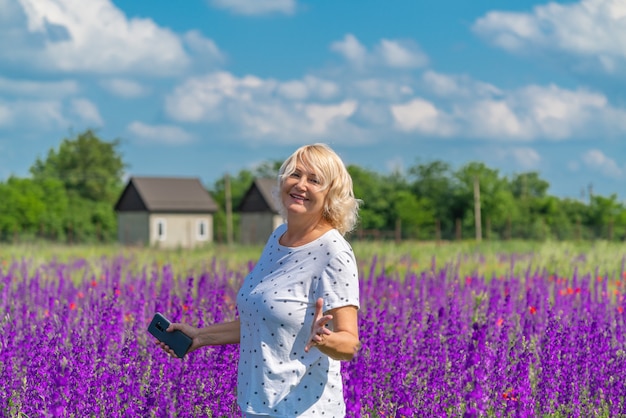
258, 212
166, 212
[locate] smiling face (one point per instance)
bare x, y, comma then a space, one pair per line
302, 193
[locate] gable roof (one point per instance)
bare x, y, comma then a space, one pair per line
260, 196
165, 194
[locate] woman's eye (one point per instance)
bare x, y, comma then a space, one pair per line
295, 175
315, 181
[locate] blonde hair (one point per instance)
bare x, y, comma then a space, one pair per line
340, 206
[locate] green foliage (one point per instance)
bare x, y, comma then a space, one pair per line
371, 189
71, 194
88, 167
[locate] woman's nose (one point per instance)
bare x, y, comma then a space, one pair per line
301, 182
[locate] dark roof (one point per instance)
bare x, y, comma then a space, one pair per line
260, 196
165, 194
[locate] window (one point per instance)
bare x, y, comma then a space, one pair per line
202, 230
160, 229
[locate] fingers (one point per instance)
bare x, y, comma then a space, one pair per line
319, 305
166, 348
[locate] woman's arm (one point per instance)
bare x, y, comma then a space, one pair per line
342, 343
216, 334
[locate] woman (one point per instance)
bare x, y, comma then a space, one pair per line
298, 306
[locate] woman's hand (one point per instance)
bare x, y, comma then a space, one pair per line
318, 329
188, 330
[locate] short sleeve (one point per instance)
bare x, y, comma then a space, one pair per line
339, 283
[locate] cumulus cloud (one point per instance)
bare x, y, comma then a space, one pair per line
66, 36
321, 117
596, 160
159, 134
401, 54
125, 88
588, 28
419, 115
529, 113
256, 7
288, 112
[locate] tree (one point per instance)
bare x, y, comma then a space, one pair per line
86, 165
496, 199
416, 215
433, 184
21, 208
368, 186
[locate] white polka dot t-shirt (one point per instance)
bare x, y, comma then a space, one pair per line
276, 304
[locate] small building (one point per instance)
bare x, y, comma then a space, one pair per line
166, 212
258, 212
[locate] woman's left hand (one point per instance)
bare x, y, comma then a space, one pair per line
318, 329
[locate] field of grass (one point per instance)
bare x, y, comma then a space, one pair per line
468, 257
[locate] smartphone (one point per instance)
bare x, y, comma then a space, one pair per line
176, 340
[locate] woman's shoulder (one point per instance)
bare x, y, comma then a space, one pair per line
333, 239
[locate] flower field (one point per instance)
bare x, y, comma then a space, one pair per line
494, 334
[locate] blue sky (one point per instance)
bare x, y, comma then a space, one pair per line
205, 87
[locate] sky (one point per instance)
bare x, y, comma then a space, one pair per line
201, 88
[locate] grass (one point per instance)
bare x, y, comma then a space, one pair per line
487, 258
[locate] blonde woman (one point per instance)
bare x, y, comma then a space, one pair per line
298, 306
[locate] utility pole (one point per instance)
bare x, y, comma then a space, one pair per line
229, 210
477, 219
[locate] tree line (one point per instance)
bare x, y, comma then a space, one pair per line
70, 194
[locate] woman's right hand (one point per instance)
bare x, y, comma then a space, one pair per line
191, 332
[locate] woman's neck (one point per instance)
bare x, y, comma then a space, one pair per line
300, 233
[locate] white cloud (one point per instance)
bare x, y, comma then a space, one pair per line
387, 53
421, 116
6, 115
204, 48
523, 157
53, 89
559, 113
322, 117
159, 134
86, 111
33, 114
493, 119
529, 113
256, 108
595, 159
125, 88
457, 86
377, 88
307, 88
399, 54
351, 49
589, 28
256, 7
212, 96
67, 36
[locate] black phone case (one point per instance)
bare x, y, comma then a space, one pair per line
177, 340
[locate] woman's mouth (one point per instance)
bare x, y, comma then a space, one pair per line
298, 197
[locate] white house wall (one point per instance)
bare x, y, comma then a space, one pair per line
181, 230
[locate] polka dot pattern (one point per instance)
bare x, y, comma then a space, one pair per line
276, 306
